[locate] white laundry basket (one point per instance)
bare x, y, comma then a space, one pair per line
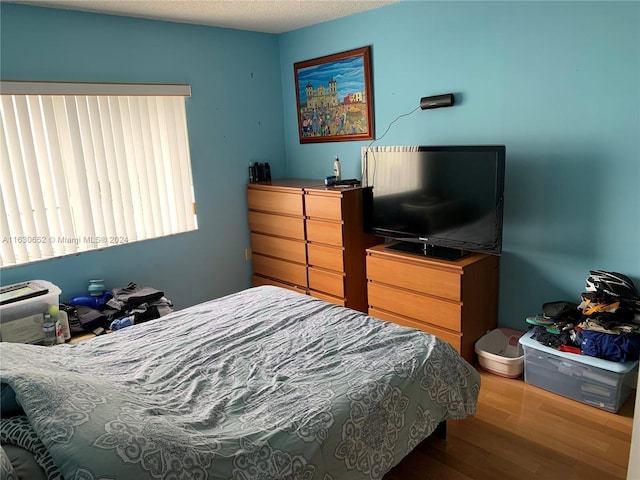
500, 352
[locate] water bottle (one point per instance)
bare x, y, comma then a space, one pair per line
49, 330
96, 287
336, 169
63, 318
59, 332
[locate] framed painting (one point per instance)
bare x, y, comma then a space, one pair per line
334, 97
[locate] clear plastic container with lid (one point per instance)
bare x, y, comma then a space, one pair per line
23, 308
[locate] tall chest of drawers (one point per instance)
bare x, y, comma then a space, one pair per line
308, 237
455, 300
278, 239
336, 246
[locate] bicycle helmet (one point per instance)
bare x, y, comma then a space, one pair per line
612, 283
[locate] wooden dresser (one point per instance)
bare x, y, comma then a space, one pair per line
454, 300
309, 238
278, 239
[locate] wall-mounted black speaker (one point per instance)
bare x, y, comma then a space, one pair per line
437, 101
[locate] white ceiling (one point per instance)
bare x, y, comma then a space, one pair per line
269, 16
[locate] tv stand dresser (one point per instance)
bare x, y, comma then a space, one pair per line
456, 300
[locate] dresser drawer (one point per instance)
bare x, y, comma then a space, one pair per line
280, 270
328, 298
284, 248
322, 206
327, 282
455, 339
276, 202
418, 278
259, 280
325, 257
440, 313
329, 233
280, 225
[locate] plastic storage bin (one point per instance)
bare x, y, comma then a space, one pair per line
589, 380
21, 320
500, 352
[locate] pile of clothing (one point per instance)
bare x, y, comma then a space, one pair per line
116, 309
605, 324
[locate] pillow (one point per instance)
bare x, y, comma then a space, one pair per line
17, 432
6, 468
23, 463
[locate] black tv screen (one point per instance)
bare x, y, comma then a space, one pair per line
444, 201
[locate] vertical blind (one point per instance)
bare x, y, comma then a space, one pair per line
84, 171
398, 183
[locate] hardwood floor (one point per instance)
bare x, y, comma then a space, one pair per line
522, 432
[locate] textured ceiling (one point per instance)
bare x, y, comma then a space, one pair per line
270, 16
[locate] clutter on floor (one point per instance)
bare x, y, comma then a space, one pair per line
587, 351
605, 324
116, 309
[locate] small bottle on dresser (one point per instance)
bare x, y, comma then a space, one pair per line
336, 169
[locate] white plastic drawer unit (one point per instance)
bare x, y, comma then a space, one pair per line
589, 380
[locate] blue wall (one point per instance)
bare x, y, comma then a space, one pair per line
557, 82
234, 114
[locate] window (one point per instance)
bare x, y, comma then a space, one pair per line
90, 166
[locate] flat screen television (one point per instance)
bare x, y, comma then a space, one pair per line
441, 201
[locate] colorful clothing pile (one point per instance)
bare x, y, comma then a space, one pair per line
606, 323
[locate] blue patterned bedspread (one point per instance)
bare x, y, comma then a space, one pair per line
262, 384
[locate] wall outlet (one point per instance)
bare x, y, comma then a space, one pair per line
247, 254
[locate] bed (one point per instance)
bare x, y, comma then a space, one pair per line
265, 383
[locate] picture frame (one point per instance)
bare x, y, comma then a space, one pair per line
334, 97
